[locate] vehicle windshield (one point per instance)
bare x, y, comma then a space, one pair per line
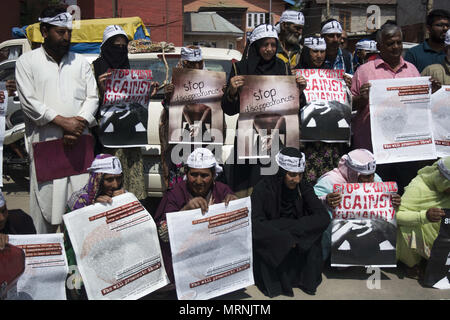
159, 70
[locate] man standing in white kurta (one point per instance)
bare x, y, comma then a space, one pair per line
58, 93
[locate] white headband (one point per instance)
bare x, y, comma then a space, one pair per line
263, 31
331, 27
189, 54
111, 31
291, 164
2, 199
315, 43
443, 169
363, 168
292, 16
61, 20
110, 165
202, 158
367, 45
447, 38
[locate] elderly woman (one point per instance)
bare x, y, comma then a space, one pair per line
358, 166
198, 190
105, 182
420, 213
287, 221
259, 58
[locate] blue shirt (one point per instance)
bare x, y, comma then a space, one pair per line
422, 56
339, 62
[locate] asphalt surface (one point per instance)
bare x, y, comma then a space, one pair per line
348, 284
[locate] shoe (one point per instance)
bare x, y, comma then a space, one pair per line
414, 272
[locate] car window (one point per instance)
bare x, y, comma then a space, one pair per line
7, 71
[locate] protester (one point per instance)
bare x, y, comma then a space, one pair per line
13, 222
291, 27
191, 58
114, 55
441, 71
320, 156
336, 58
259, 58
197, 191
287, 224
366, 50
431, 51
420, 213
58, 94
105, 182
358, 166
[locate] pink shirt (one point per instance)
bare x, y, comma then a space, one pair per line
373, 70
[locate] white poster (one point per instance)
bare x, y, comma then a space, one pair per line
3, 108
212, 253
45, 267
440, 113
117, 249
400, 119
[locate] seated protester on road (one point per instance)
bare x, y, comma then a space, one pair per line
358, 166
197, 191
420, 213
259, 58
320, 156
441, 71
191, 58
287, 224
105, 182
13, 222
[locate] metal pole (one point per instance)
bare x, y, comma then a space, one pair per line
270, 12
328, 9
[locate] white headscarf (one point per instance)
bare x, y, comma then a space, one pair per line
447, 38
332, 27
61, 20
367, 45
291, 164
443, 168
263, 31
315, 43
110, 165
189, 54
295, 17
111, 31
365, 168
202, 158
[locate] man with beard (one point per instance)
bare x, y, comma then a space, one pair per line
58, 94
290, 31
431, 51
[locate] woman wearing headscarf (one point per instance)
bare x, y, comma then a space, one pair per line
419, 216
259, 58
287, 224
198, 190
105, 182
358, 166
320, 156
114, 55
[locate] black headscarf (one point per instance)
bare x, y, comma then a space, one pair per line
305, 60
111, 57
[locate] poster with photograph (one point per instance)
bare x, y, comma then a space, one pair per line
364, 229
46, 267
400, 120
195, 113
124, 113
212, 253
327, 113
440, 114
117, 249
268, 119
437, 273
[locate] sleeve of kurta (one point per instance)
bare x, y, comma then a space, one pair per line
90, 105
322, 188
406, 216
34, 109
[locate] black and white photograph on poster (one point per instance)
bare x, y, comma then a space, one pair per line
440, 114
363, 228
327, 113
437, 272
124, 113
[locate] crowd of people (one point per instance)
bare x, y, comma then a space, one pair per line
61, 96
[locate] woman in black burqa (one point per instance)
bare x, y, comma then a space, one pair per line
287, 223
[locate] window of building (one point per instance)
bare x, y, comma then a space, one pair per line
345, 18
255, 18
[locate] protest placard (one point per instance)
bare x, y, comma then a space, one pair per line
400, 120
212, 253
195, 114
364, 227
327, 113
117, 249
268, 119
46, 267
440, 114
3, 108
124, 113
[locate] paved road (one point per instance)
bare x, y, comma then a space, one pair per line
351, 283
